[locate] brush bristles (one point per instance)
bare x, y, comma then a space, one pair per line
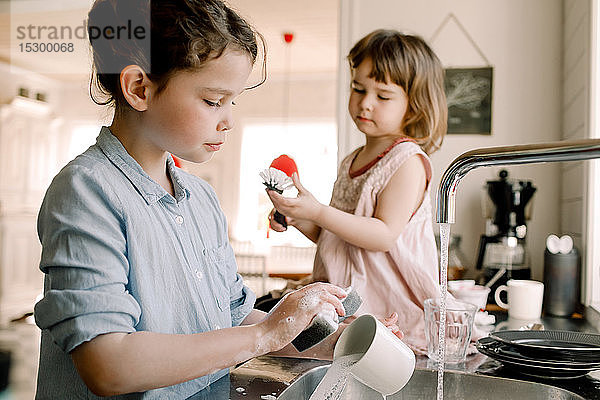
275, 179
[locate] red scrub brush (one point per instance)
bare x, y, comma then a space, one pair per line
278, 178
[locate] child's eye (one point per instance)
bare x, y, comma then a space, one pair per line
357, 90
383, 98
212, 103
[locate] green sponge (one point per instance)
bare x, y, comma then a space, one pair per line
351, 303
323, 326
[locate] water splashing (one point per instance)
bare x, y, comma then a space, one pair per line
334, 382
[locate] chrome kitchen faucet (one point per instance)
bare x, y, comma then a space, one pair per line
506, 155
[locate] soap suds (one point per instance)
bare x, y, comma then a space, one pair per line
309, 300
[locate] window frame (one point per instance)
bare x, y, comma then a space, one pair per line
592, 256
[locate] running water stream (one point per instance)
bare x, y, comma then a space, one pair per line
334, 382
444, 240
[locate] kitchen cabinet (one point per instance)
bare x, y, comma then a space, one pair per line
30, 152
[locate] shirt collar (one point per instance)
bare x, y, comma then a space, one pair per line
146, 186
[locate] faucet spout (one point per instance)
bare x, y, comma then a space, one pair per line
506, 155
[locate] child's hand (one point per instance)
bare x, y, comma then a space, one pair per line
390, 323
296, 311
276, 226
304, 206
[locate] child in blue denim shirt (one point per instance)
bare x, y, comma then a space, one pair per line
141, 294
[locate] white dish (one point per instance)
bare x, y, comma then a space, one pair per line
460, 284
475, 294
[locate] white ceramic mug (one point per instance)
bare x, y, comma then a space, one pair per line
386, 364
525, 298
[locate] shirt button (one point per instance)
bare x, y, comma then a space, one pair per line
179, 219
199, 275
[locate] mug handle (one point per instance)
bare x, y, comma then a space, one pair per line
499, 290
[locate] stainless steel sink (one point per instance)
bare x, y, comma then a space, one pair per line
423, 385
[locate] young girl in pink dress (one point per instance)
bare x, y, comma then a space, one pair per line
377, 232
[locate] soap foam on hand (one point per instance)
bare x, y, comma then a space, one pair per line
320, 328
324, 324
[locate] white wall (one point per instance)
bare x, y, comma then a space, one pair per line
576, 91
522, 41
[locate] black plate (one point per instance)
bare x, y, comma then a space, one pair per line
532, 368
539, 372
553, 345
507, 352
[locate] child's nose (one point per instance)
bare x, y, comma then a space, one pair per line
366, 103
226, 123
224, 126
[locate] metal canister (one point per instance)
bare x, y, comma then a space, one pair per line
562, 287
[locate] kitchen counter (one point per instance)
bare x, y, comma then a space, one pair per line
266, 377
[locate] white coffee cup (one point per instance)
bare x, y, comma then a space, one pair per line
386, 364
525, 298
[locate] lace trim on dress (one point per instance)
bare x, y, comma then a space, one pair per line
369, 165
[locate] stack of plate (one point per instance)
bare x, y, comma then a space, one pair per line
545, 354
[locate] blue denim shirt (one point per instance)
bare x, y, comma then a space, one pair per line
120, 254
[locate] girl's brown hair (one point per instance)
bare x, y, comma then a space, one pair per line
183, 35
410, 63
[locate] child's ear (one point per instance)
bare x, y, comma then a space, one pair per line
135, 86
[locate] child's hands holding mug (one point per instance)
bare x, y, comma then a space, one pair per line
391, 323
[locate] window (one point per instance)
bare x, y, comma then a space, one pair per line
314, 148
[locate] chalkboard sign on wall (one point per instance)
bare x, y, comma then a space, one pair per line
469, 96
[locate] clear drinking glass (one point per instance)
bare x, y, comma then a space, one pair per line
459, 326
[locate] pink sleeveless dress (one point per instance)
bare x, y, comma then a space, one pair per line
395, 281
